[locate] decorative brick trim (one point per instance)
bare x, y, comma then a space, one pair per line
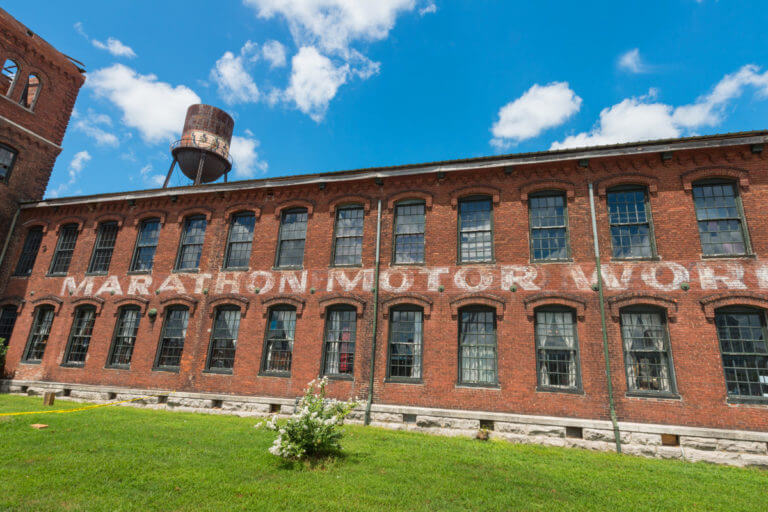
651, 182
115, 217
617, 302
712, 302
422, 301
185, 300
141, 302
475, 299
740, 175
542, 185
295, 203
196, 210
230, 299
349, 199
276, 300
242, 207
13, 300
348, 300
151, 214
459, 193
49, 300
413, 194
554, 299
70, 220
31, 223
96, 302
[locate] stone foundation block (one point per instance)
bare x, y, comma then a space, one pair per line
382, 417
693, 455
644, 439
446, 423
755, 461
639, 450
669, 452
245, 407
591, 434
729, 445
698, 443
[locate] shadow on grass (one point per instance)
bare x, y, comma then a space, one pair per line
320, 461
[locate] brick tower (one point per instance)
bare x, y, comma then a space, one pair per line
38, 88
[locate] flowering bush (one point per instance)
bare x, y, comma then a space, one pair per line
314, 428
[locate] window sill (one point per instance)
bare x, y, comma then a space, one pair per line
544, 262
567, 391
97, 273
289, 267
356, 265
649, 258
469, 385
728, 256
417, 264
235, 269
403, 380
31, 362
138, 272
167, 369
185, 271
58, 274
340, 377
744, 400
222, 371
650, 394
72, 365
19, 276
118, 367
281, 375
484, 262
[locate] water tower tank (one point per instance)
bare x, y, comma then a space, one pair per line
203, 151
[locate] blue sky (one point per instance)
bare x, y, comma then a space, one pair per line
324, 85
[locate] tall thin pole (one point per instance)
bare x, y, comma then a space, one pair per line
369, 403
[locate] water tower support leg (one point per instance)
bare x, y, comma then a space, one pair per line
199, 176
168, 176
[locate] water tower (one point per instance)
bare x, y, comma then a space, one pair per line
203, 151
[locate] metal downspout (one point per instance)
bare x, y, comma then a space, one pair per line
8, 236
599, 272
367, 420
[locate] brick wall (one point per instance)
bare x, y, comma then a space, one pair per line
440, 286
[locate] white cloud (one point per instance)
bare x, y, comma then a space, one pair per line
631, 61
637, 119
428, 9
150, 177
80, 30
539, 108
246, 163
76, 166
156, 109
314, 82
234, 83
91, 126
115, 47
274, 52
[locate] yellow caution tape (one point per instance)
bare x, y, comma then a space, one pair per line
61, 411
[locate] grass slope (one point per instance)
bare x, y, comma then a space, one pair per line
121, 458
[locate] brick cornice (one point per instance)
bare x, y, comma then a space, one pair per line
283, 299
408, 299
617, 302
713, 302
478, 299
342, 299
717, 171
554, 299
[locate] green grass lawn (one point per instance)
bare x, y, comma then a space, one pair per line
121, 458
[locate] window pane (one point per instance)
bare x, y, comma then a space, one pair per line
7, 321
64, 249
745, 353
30, 92
125, 337
340, 331
405, 340
172, 341
349, 236
409, 233
38, 336
240, 237
8, 76
191, 244
475, 230
646, 351
29, 252
556, 349
7, 157
477, 347
105, 245
630, 225
720, 222
224, 339
293, 231
80, 336
549, 234
278, 347
146, 244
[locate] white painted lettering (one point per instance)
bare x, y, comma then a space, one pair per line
519, 275
296, 284
733, 278
406, 280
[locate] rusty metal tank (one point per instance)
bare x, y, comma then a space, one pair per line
203, 151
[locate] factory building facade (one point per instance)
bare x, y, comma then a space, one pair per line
578, 297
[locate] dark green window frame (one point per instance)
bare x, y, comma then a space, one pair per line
103, 248
622, 223
65, 248
7, 160
349, 236
536, 231
223, 343
191, 244
124, 337
277, 355
745, 369
29, 252
239, 241
404, 355
461, 229
288, 239
472, 344
38, 334
79, 336
147, 238
339, 342
408, 241
736, 215
8, 316
558, 358
172, 338
648, 363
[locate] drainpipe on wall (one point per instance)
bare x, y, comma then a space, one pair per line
8, 236
367, 420
599, 272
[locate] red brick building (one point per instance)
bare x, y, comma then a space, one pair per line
482, 309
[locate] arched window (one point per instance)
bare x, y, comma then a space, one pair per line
79, 336
146, 245
291, 239
7, 159
221, 351
7, 321
278, 343
548, 214
31, 91
477, 346
406, 334
743, 344
29, 251
557, 349
646, 351
8, 77
408, 246
121, 352
38, 335
475, 229
191, 243
239, 239
629, 215
340, 335
172, 339
720, 216
348, 236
